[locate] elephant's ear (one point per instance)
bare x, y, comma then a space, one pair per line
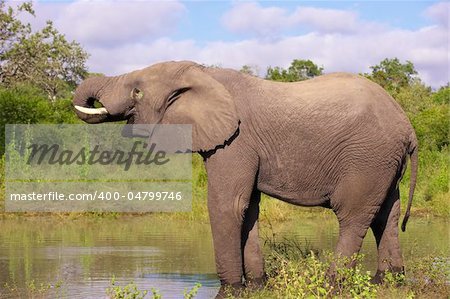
207, 105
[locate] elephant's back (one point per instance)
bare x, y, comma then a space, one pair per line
346, 98
350, 91
369, 110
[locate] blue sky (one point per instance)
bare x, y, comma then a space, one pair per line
339, 35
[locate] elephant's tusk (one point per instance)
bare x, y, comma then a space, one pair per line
96, 111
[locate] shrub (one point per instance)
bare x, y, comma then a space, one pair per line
28, 105
293, 276
442, 96
432, 127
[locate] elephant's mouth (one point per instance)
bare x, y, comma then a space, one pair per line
93, 111
131, 117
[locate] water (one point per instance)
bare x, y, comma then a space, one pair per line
171, 256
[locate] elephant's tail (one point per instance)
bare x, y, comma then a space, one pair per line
413, 154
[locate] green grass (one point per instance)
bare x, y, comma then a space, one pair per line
298, 271
289, 277
431, 197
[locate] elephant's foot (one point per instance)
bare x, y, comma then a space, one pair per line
230, 290
334, 284
255, 284
331, 276
379, 277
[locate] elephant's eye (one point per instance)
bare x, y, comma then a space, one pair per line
136, 94
175, 95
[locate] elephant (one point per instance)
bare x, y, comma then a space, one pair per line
338, 141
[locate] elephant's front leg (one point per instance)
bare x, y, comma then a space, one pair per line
252, 254
230, 185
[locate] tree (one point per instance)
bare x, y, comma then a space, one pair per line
299, 70
393, 75
11, 27
278, 74
414, 98
43, 58
304, 69
251, 70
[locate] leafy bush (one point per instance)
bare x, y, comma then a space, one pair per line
25, 104
428, 113
306, 278
442, 96
61, 112
414, 98
131, 291
299, 70
22, 105
393, 75
292, 276
431, 126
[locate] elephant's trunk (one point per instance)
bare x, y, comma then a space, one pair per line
85, 97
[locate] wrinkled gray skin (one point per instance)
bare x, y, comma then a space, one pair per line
338, 141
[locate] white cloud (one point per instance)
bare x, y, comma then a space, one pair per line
439, 12
251, 18
326, 20
112, 23
128, 57
426, 48
351, 53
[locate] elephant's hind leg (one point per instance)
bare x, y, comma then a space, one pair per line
385, 230
355, 202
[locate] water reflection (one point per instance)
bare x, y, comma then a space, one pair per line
171, 256
85, 255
